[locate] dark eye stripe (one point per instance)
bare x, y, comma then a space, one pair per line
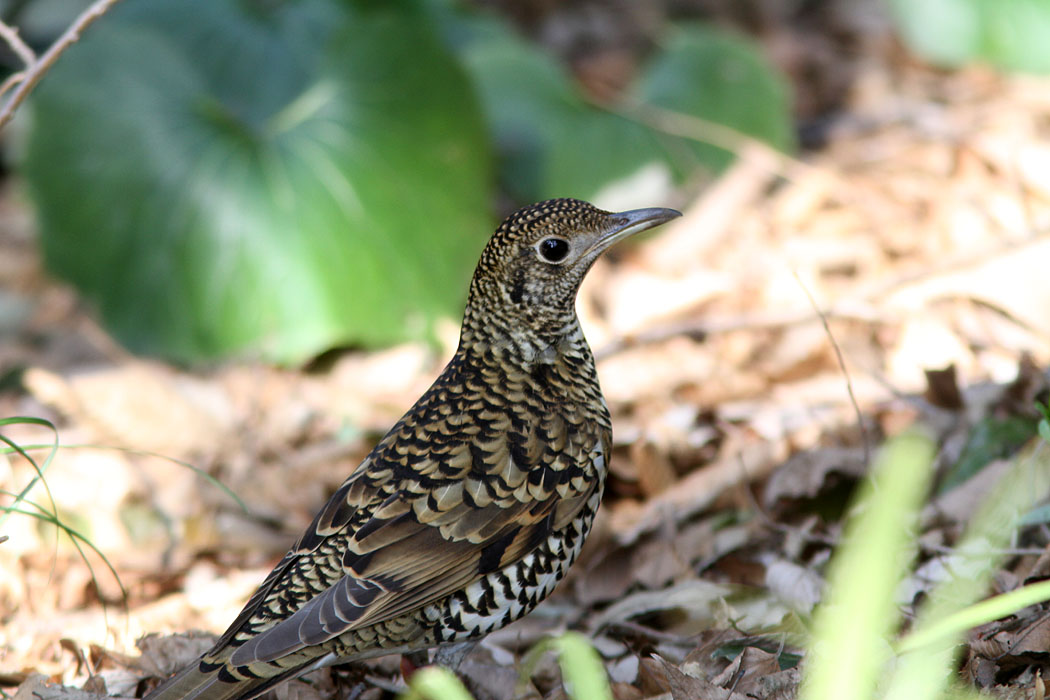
554, 249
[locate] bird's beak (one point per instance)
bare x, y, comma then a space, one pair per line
628, 223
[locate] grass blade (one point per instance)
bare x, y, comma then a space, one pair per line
24, 454
852, 626
435, 683
928, 653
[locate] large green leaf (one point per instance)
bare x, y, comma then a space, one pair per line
1010, 34
723, 79
241, 177
553, 142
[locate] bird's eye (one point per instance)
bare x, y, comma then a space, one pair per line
553, 249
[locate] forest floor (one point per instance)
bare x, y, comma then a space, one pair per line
915, 223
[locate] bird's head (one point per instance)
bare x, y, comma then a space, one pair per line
532, 267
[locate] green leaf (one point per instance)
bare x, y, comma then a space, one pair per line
231, 178
551, 142
714, 75
1043, 426
1040, 515
554, 142
1010, 34
992, 438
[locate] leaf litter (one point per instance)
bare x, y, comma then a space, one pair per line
917, 226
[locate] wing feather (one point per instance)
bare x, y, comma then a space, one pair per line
406, 542
416, 569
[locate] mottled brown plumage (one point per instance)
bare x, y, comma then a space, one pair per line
473, 506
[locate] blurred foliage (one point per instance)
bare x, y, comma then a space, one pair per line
48, 516
1009, 34
435, 683
239, 177
554, 142
220, 177
992, 438
583, 674
859, 611
856, 651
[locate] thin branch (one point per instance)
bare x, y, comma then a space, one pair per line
10, 35
36, 71
842, 366
11, 81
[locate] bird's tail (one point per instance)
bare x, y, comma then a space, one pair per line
193, 683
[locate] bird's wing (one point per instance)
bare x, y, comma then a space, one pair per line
400, 550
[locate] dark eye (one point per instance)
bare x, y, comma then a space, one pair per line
554, 249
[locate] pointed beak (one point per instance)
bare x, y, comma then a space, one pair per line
628, 223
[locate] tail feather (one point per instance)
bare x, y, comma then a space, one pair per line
191, 683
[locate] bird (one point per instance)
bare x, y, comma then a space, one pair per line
470, 510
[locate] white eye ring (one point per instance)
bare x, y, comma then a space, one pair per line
553, 249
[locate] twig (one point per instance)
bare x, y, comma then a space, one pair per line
36, 70
11, 81
842, 365
10, 35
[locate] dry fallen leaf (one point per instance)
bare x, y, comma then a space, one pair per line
164, 655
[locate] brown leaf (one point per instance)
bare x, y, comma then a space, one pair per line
96, 685
163, 656
653, 468
704, 660
806, 474
143, 405
691, 494
686, 687
36, 687
493, 681
782, 685
748, 673
652, 677
942, 388
1032, 637
697, 596
625, 691
667, 556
